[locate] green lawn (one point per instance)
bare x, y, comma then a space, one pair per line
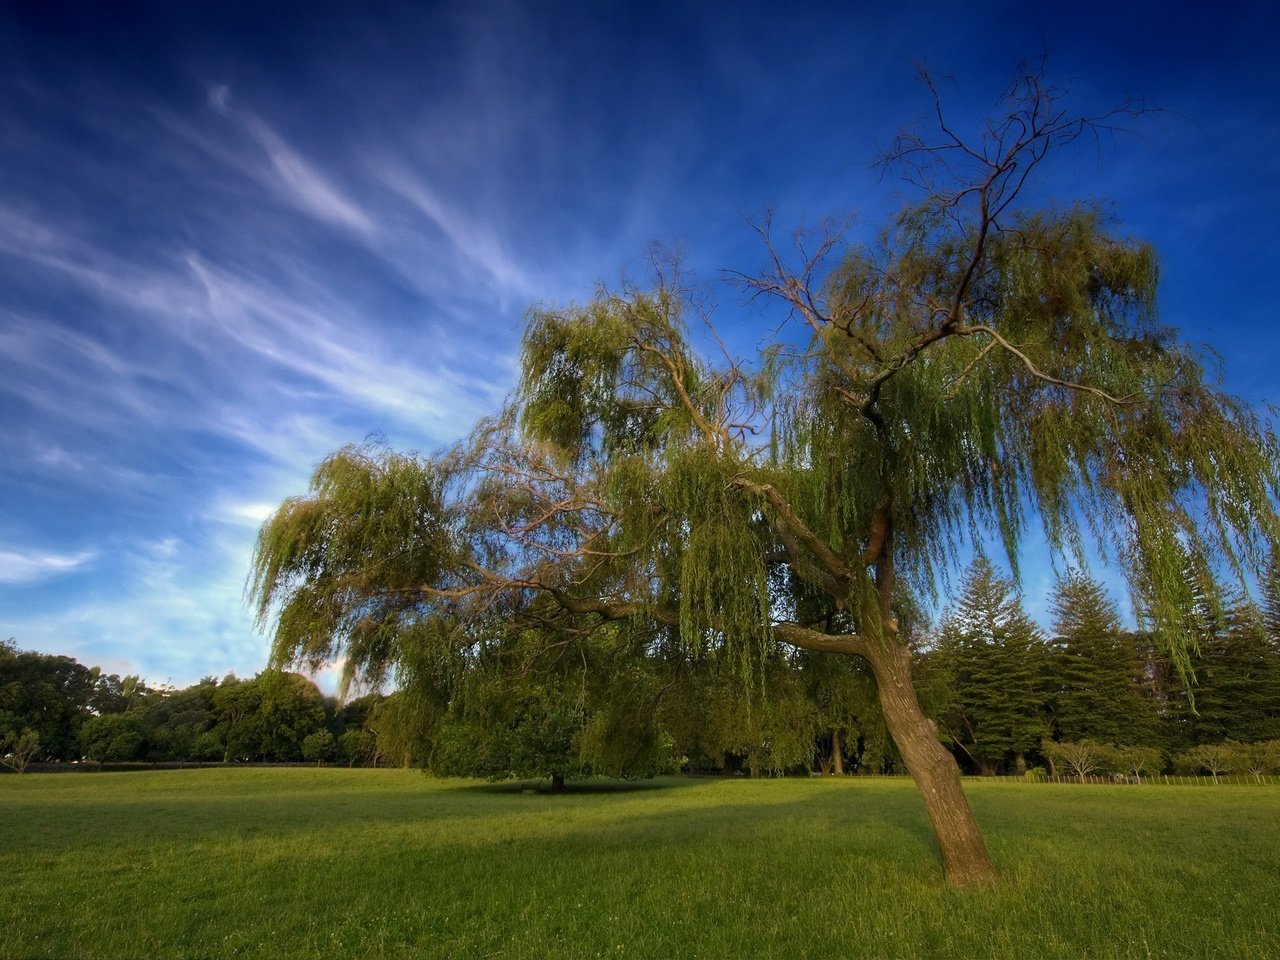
371, 863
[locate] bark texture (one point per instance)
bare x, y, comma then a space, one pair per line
965, 859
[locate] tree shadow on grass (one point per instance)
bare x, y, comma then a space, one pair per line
592, 787
841, 812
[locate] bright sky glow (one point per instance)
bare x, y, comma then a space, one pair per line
234, 237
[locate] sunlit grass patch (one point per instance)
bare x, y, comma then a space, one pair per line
372, 863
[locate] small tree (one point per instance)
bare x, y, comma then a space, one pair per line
848, 713
1213, 758
318, 746
17, 750
992, 656
534, 734
1083, 759
113, 736
1257, 759
1137, 760
1095, 667
356, 746
1237, 691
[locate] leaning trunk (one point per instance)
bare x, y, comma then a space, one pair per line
965, 860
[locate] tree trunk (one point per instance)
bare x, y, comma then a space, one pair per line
1020, 764
965, 860
557, 783
837, 754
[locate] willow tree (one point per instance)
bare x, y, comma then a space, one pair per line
981, 368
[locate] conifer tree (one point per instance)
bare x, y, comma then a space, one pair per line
1237, 688
1165, 691
1095, 668
1271, 600
993, 657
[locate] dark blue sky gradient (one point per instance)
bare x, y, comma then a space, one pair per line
234, 237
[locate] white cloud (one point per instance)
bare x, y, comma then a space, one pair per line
51, 455
321, 339
245, 514
288, 174
32, 566
474, 240
170, 609
166, 548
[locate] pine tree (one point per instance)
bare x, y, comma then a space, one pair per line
1165, 693
992, 656
1237, 690
1095, 668
1271, 603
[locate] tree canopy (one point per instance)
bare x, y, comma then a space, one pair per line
980, 367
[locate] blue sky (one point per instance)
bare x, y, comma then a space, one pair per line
235, 237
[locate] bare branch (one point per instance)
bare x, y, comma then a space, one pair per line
1040, 374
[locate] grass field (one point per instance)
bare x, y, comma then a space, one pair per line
373, 863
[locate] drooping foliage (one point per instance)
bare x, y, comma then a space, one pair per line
1271, 599
981, 366
1057, 397
347, 562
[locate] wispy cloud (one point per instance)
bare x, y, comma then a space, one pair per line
296, 323
56, 458
20, 568
245, 513
171, 609
288, 174
324, 342
472, 239
67, 373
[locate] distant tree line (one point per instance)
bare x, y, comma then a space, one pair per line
53, 708
1090, 697
1087, 697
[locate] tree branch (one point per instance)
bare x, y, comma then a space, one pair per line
1040, 374
799, 528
